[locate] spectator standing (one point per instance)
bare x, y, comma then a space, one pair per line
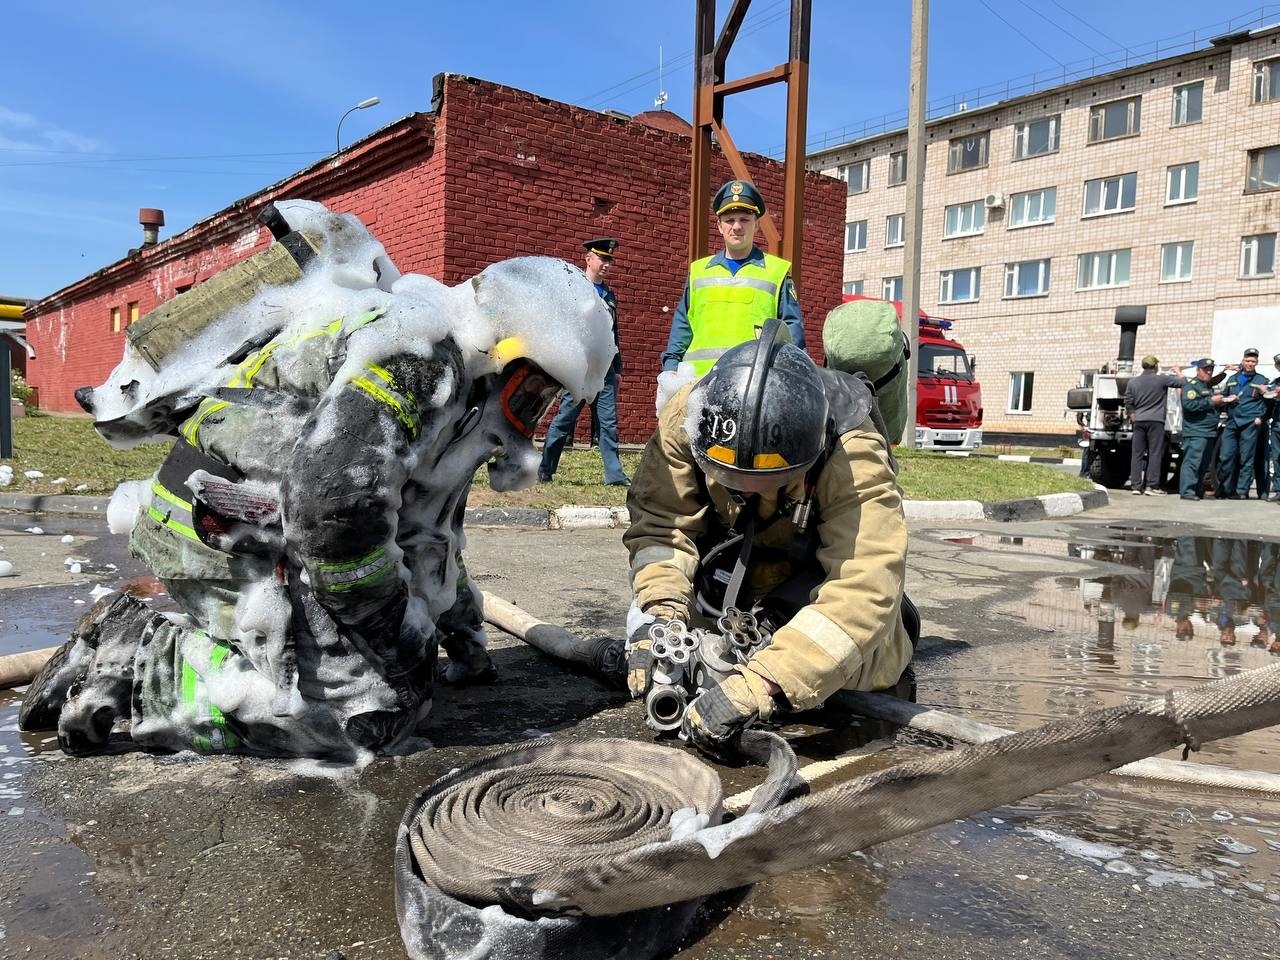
604, 409
1200, 409
1246, 408
1146, 398
1273, 439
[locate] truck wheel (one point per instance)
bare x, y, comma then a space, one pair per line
1105, 469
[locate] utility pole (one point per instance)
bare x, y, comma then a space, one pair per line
6, 411
915, 204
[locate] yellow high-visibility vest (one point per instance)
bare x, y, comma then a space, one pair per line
725, 309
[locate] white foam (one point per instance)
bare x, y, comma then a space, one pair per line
127, 500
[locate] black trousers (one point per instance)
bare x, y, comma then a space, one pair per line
1148, 441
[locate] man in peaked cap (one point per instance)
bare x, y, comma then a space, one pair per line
729, 296
1200, 409
604, 408
1273, 440
1244, 431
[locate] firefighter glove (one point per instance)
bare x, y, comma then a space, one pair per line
714, 721
640, 650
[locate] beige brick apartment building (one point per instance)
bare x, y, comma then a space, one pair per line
1156, 185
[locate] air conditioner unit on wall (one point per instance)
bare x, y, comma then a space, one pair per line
994, 201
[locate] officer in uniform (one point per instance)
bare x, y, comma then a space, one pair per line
604, 409
781, 497
1242, 392
728, 296
1273, 437
1200, 408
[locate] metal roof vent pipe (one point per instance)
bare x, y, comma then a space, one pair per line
152, 220
1128, 319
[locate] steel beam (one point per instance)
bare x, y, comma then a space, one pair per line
710, 90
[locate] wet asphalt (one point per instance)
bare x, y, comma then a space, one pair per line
146, 856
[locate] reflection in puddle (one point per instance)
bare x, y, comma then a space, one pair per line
1159, 614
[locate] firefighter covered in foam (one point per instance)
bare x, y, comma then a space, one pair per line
308, 520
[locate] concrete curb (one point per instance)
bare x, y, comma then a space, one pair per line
1017, 458
606, 518
1006, 511
52, 503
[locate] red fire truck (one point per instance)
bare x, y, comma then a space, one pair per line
948, 395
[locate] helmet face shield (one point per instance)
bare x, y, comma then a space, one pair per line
527, 394
749, 481
758, 419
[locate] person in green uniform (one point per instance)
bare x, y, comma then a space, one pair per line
1200, 407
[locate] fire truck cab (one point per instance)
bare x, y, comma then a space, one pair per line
948, 395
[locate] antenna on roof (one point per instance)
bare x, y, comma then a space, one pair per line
661, 98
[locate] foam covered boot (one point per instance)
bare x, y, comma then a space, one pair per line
63, 673
104, 691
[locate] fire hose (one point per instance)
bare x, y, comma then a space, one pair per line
610, 898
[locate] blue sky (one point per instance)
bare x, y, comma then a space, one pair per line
106, 108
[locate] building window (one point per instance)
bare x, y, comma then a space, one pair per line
964, 219
1175, 262
1264, 170
1028, 278
1110, 268
1119, 118
960, 286
1035, 138
855, 236
893, 229
1020, 385
1183, 183
1266, 80
1110, 195
897, 168
133, 312
853, 288
115, 320
1258, 255
1033, 207
967, 153
857, 176
891, 288
1188, 103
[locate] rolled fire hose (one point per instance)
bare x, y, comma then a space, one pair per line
457, 910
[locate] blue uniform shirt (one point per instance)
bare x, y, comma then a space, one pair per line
682, 332
1250, 405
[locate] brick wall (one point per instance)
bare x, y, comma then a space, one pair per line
499, 173
525, 175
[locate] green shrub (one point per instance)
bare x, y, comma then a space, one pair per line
18, 388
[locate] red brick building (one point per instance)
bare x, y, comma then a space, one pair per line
492, 172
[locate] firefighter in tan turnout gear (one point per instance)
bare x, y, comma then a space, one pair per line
769, 487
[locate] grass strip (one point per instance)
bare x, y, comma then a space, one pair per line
67, 448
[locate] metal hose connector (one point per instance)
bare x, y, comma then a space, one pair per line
664, 707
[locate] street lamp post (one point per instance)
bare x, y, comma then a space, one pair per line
362, 105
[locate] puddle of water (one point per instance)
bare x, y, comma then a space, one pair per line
1159, 614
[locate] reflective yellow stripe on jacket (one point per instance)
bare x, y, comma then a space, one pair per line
724, 309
